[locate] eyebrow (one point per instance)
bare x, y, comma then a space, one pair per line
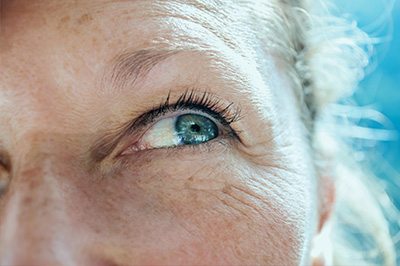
125, 69
123, 72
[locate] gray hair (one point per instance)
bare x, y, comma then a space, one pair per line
330, 56
326, 57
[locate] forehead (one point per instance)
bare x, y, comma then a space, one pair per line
225, 19
54, 52
100, 29
47, 35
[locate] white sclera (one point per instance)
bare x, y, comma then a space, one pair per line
161, 134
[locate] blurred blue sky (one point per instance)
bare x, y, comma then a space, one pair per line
380, 90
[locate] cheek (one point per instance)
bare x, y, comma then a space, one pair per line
199, 210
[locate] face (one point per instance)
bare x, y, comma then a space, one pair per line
150, 133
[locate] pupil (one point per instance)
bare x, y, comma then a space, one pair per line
195, 128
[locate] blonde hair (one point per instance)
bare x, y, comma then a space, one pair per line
330, 59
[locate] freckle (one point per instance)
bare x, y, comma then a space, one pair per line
65, 19
226, 189
94, 41
62, 22
76, 30
84, 19
27, 200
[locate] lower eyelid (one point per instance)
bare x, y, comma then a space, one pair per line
216, 147
143, 142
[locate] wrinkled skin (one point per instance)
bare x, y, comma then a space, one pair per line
245, 200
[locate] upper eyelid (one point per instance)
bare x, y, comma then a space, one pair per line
179, 113
190, 100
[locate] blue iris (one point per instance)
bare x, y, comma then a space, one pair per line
194, 129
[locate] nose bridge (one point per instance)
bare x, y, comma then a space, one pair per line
38, 149
33, 215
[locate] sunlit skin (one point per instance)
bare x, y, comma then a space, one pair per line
246, 200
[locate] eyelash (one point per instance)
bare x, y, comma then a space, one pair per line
192, 100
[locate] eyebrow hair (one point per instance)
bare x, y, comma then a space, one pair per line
127, 67
122, 72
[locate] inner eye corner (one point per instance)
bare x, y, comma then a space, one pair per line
4, 179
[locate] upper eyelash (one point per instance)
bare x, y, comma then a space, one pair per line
191, 100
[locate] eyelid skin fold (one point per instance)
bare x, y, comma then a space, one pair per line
192, 100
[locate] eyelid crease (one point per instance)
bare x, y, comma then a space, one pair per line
191, 100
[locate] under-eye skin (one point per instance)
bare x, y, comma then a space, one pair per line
192, 120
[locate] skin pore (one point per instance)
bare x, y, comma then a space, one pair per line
73, 77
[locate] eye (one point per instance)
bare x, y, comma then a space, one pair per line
185, 129
195, 118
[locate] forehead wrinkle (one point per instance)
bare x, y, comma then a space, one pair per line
244, 26
230, 22
217, 17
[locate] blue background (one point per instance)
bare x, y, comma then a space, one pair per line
378, 97
380, 90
